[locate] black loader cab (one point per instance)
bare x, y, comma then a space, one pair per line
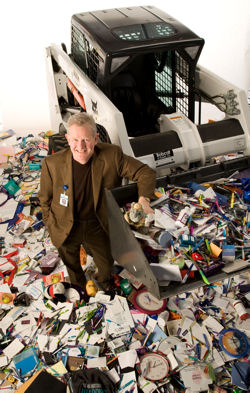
142, 59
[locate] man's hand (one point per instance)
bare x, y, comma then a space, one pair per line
145, 202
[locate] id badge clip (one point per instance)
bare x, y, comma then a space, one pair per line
64, 199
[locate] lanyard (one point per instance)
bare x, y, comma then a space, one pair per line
13, 263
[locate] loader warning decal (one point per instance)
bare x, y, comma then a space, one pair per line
164, 158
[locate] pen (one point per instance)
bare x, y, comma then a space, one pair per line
109, 320
206, 341
187, 274
206, 355
126, 384
146, 338
81, 333
198, 350
39, 319
172, 248
208, 246
198, 245
232, 201
65, 334
112, 360
138, 331
193, 358
21, 274
59, 348
199, 341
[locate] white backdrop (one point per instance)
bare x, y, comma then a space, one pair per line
28, 26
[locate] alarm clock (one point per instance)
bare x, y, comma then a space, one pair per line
234, 343
145, 302
154, 367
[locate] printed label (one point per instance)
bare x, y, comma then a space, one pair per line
164, 158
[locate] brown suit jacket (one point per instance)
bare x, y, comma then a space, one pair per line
109, 166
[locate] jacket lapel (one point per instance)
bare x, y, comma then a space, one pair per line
68, 179
96, 171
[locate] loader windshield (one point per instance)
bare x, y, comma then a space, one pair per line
150, 84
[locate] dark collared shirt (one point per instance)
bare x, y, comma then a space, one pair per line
83, 191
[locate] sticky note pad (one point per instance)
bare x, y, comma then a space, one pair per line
215, 250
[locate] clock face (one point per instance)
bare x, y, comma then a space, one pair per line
154, 367
165, 346
234, 342
146, 302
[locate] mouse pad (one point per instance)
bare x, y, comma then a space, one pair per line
43, 382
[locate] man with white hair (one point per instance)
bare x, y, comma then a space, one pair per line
72, 196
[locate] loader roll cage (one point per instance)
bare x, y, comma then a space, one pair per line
142, 59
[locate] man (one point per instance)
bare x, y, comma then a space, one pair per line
72, 196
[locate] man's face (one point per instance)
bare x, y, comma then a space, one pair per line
81, 142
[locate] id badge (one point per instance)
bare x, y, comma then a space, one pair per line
64, 200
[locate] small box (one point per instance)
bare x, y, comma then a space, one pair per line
49, 262
187, 240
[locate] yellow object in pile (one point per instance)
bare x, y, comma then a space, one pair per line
91, 288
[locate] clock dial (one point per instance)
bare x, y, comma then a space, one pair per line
146, 302
234, 342
165, 346
154, 367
